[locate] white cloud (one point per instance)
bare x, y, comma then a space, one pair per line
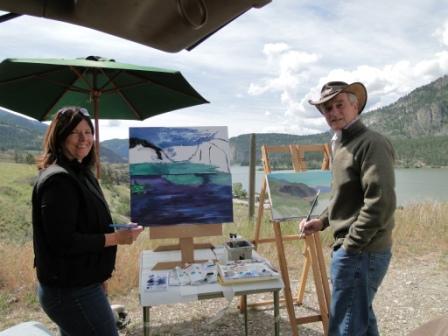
442, 34
290, 69
293, 71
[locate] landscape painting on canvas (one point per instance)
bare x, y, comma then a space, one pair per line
292, 193
180, 175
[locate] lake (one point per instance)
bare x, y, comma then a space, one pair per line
412, 185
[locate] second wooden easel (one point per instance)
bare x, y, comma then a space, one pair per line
313, 248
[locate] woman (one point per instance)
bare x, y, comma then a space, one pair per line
74, 246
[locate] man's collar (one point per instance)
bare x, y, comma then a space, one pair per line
351, 122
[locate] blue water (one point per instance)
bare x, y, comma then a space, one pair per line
412, 185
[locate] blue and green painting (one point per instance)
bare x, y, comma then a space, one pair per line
180, 175
292, 193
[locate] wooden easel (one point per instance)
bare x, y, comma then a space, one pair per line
186, 245
313, 248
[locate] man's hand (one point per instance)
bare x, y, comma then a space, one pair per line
308, 227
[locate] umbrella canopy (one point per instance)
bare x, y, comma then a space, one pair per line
39, 87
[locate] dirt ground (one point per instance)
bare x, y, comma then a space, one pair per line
414, 291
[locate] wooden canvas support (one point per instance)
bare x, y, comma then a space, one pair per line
185, 233
314, 259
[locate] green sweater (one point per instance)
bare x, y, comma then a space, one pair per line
362, 205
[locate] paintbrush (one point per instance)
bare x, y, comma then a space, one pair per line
313, 205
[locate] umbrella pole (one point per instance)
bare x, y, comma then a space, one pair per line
97, 133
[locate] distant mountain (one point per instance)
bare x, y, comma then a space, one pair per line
24, 134
110, 156
421, 113
119, 146
21, 133
417, 124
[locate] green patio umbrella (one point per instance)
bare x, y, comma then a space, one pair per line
39, 87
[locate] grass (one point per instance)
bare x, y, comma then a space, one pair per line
420, 229
16, 181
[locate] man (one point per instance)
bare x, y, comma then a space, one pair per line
360, 212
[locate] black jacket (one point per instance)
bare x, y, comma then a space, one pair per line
70, 218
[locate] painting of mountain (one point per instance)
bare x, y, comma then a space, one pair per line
292, 193
180, 175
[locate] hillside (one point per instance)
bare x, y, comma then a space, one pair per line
417, 124
20, 133
421, 113
119, 146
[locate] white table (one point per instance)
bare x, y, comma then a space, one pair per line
189, 293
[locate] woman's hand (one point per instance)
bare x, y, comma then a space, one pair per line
128, 236
123, 236
308, 227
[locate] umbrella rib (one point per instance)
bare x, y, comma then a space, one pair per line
80, 76
110, 79
118, 90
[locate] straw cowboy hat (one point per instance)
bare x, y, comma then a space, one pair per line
332, 89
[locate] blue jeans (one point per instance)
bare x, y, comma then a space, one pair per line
355, 278
80, 311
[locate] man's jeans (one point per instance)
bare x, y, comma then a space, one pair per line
355, 279
81, 311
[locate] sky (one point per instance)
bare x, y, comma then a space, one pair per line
259, 71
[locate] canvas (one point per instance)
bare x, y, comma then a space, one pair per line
180, 175
292, 193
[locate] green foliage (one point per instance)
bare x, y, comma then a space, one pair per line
16, 181
426, 151
25, 157
238, 191
114, 174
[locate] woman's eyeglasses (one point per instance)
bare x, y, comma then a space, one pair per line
74, 109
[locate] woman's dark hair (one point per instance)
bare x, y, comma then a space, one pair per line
64, 122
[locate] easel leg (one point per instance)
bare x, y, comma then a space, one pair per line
323, 270
304, 276
318, 281
285, 278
